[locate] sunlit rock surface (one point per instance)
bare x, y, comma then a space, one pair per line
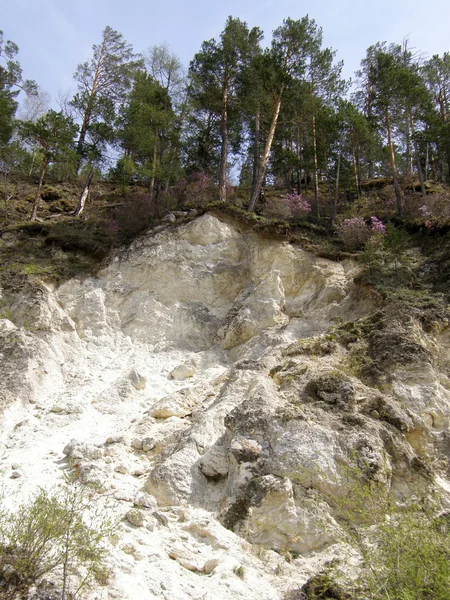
194, 386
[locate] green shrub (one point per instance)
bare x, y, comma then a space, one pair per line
405, 546
51, 534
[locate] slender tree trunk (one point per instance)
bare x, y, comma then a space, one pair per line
315, 207
32, 163
409, 157
398, 194
38, 193
417, 155
355, 173
427, 161
154, 162
89, 109
265, 158
333, 207
84, 194
256, 146
224, 152
299, 162
358, 170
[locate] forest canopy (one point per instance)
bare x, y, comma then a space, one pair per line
244, 119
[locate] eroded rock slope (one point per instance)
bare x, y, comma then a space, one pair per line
212, 384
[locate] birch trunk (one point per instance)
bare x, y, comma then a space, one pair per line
333, 208
84, 194
265, 158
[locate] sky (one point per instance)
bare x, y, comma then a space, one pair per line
55, 35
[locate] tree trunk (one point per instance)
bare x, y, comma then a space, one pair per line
315, 207
256, 146
88, 113
417, 155
38, 194
333, 207
224, 151
84, 194
355, 173
398, 193
299, 164
265, 158
153, 179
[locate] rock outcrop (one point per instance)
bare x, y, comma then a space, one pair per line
215, 385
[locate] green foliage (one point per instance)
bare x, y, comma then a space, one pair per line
56, 533
149, 134
405, 546
103, 83
53, 134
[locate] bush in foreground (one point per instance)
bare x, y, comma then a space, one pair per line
55, 534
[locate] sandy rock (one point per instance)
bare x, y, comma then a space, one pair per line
137, 380
256, 309
214, 464
75, 449
179, 404
182, 372
144, 500
136, 517
245, 450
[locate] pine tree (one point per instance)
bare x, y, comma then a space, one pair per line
103, 82
216, 76
53, 134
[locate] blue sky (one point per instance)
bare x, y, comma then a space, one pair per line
55, 35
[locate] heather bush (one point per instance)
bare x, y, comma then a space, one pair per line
356, 232
130, 217
297, 205
196, 189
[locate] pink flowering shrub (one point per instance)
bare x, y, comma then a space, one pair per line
297, 205
356, 232
198, 188
377, 226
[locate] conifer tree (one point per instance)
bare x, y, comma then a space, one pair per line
103, 82
216, 81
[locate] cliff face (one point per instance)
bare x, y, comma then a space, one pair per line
213, 384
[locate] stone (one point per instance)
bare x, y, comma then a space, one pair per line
169, 218
148, 444
245, 450
210, 565
123, 469
137, 380
136, 517
178, 404
76, 449
161, 518
214, 464
142, 499
137, 443
182, 372
115, 439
